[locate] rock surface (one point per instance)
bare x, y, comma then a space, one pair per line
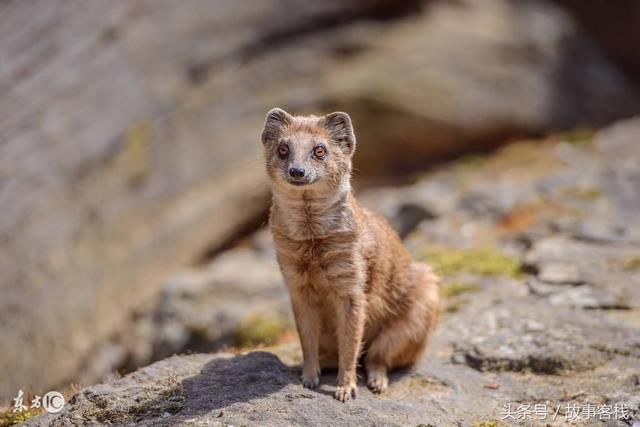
207, 310
422, 81
129, 149
561, 331
130, 135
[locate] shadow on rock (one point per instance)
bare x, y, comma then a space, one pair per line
223, 382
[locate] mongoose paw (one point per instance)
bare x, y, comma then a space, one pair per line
310, 381
345, 392
378, 383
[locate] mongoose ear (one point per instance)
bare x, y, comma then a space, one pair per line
341, 130
276, 121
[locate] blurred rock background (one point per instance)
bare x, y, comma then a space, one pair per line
129, 146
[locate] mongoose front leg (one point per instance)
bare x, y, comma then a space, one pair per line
350, 319
308, 321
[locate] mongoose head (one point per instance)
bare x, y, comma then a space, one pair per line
308, 153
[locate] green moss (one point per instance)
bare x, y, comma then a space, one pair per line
171, 402
471, 161
632, 263
454, 305
581, 136
587, 193
151, 405
591, 193
457, 288
10, 418
479, 261
260, 329
132, 161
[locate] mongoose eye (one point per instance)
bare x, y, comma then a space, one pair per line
319, 152
283, 150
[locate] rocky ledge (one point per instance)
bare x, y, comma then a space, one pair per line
539, 244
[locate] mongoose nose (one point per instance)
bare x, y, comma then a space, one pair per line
296, 172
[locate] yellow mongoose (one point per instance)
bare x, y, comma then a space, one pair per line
353, 286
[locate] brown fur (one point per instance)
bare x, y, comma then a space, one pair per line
353, 286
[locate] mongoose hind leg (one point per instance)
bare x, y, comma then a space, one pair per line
402, 342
